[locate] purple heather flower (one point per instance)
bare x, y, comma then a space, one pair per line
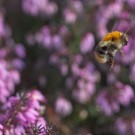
70, 16
104, 14
64, 69
87, 43
63, 107
3, 52
8, 80
121, 126
125, 94
125, 125
86, 79
63, 31
18, 113
18, 64
37, 95
44, 37
99, 2
83, 95
109, 100
77, 6
1, 129
57, 42
107, 103
4, 29
48, 40
131, 3
20, 51
40, 7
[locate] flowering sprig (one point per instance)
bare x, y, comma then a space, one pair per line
110, 99
20, 112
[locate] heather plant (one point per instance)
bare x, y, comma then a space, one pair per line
50, 82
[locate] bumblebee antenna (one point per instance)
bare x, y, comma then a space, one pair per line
126, 30
115, 25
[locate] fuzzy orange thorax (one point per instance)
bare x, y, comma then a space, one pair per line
112, 36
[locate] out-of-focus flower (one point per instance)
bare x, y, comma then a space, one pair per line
63, 107
18, 64
132, 74
130, 3
125, 94
40, 7
46, 39
57, 42
104, 14
1, 129
107, 103
20, 51
4, 29
109, 100
8, 80
87, 43
77, 6
86, 79
125, 126
70, 16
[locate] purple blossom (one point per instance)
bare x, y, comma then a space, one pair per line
40, 7
18, 113
18, 64
125, 94
20, 51
63, 107
125, 125
46, 39
86, 79
70, 16
77, 6
8, 80
121, 126
109, 100
105, 13
1, 129
4, 29
127, 20
131, 3
87, 43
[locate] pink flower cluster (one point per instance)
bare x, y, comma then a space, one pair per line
20, 112
110, 99
39, 7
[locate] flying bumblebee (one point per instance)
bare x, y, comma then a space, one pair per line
110, 44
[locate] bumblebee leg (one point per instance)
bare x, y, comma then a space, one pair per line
112, 64
121, 52
111, 60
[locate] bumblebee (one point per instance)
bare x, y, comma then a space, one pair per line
110, 44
